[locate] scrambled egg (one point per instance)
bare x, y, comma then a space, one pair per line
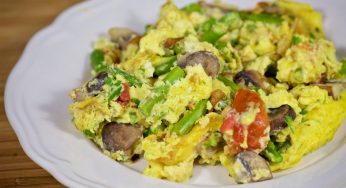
285, 59
317, 128
194, 87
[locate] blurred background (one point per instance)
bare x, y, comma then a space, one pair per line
19, 21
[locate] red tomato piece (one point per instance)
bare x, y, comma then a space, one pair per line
257, 134
124, 98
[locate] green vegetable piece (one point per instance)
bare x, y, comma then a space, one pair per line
217, 31
272, 154
296, 40
133, 117
228, 83
96, 60
133, 81
262, 17
147, 132
174, 75
213, 140
212, 30
289, 122
342, 71
165, 67
220, 45
136, 101
148, 28
161, 90
89, 133
193, 7
231, 19
207, 25
185, 124
147, 107
284, 146
115, 90
304, 110
178, 49
211, 36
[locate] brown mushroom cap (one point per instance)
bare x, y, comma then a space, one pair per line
250, 167
117, 137
122, 36
333, 89
277, 117
207, 59
96, 83
250, 76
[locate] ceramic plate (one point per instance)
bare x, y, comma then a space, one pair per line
56, 61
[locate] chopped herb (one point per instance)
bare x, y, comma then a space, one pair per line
148, 28
283, 146
231, 19
109, 81
96, 60
147, 132
262, 17
133, 117
207, 25
271, 153
296, 40
342, 71
213, 140
194, 7
178, 49
304, 110
136, 101
88, 133
289, 122
220, 45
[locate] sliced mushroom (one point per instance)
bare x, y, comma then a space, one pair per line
277, 117
250, 76
122, 36
216, 96
207, 59
118, 137
334, 89
268, 7
250, 167
95, 84
170, 42
91, 88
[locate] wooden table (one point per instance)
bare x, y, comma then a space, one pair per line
19, 20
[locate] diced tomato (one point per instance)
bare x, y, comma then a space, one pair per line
257, 136
124, 98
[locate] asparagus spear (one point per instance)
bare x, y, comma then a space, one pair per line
185, 124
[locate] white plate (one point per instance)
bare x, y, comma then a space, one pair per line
56, 61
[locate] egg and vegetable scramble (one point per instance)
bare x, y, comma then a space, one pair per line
209, 84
